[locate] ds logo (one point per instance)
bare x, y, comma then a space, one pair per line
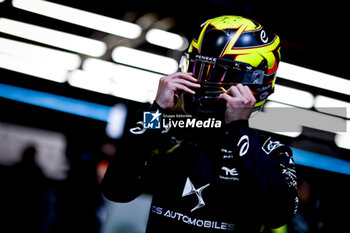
151, 120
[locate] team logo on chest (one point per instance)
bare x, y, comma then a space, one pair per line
230, 174
189, 189
270, 145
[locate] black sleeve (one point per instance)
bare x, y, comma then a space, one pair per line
269, 165
124, 178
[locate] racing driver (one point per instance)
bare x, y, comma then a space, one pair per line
224, 179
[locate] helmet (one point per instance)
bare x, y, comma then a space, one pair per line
230, 50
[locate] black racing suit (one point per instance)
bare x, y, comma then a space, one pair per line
208, 180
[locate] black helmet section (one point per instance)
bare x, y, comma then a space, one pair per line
204, 103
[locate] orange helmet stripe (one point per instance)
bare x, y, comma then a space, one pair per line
197, 44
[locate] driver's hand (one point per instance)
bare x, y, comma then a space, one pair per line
239, 103
170, 88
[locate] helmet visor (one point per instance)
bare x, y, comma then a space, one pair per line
220, 71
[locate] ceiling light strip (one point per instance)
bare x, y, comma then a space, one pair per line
80, 17
144, 60
313, 78
36, 69
292, 96
52, 37
332, 106
166, 39
39, 54
116, 80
